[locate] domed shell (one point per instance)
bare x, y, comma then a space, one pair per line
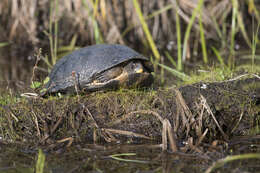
86, 63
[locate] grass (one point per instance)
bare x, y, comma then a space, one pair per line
146, 31
118, 157
97, 13
226, 38
202, 39
178, 33
3, 44
231, 60
188, 30
254, 44
52, 34
92, 14
149, 17
176, 73
40, 162
222, 162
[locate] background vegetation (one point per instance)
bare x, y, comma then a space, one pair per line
172, 32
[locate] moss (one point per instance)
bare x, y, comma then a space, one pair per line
218, 73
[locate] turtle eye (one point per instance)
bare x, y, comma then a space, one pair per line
137, 67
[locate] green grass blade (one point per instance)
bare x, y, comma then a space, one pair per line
3, 44
170, 58
188, 30
97, 34
217, 27
178, 31
175, 72
202, 41
117, 157
40, 162
233, 33
253, 9
227, 159
146, 30
155, 13
254, 42
220, 59
242, 28
50, 31
56, 32
95, 8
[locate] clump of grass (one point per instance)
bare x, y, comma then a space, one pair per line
185, 44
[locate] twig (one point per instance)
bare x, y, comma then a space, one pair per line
70, 139
38, 58
171, 136
164, 136
128, 133
56, 125
184, 111
204, 102
36, 123
202, 137
240, 118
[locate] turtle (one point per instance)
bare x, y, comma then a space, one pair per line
99, 67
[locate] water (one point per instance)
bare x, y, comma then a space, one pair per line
97, 158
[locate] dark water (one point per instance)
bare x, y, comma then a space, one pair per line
91, 158
97, 158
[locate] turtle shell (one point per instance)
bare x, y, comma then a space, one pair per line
82, 66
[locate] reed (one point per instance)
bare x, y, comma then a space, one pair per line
86, 22
202, 39
189, 27
178, 32
254, 44
146, 30
52, 34
231, 60
92, 14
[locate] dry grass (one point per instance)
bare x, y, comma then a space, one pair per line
113, 18
23, 24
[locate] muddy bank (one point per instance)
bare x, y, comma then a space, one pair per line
201, 113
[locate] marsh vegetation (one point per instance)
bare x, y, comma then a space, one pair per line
209, 49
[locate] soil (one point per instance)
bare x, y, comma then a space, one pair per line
201, 112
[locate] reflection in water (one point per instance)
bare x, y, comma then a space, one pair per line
16, 62
96, 158
93, 158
